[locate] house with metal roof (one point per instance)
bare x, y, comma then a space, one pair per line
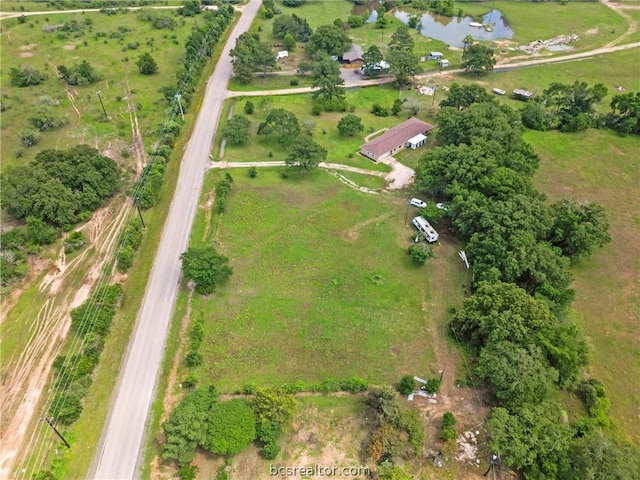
353, 56
407, 134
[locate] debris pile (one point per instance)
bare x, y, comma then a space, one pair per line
537, 45
468, 448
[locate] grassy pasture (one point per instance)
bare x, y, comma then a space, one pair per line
325, 132
595, 23
40, 6
322, 286
602, 167
27, 44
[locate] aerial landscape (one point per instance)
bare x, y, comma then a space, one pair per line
300, 239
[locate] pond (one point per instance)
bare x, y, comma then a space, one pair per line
452, 30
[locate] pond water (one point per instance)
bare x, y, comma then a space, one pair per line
452, 30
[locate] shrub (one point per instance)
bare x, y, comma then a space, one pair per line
406, 385
193, 359
379, 111
249, 107
293, 82
252, 172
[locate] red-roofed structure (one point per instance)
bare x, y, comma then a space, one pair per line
394, 139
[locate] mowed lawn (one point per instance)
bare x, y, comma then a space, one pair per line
341, 149
602, 167
322, 286
111, 44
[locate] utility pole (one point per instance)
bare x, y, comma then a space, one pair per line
406, 215
103, 109
441, 375
135, 201
177, 96
433, 100
56, 430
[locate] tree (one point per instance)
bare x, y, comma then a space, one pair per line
249, 55
420, 253
306, 154
282, 123
25, 76
249, 107
382, 21
466, 41
350, 124
579, 228
146, 64
187, 426
407, 385
231, 427
289, 42
389, 471
81, 73
43, 118
294, 25
536, 116
206, 267
355, 21
330, 39
625, 113
574, 104
236, 131
520, 375
61, 187
293, 3
403, 65
401, 40
327, 78
532, 439
478, 59
464, 96
371, 61
39, 232
384, 403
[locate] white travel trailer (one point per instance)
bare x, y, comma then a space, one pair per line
426, 229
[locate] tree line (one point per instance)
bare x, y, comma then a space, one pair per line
516, 322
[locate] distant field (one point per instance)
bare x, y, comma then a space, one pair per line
322, 286
595, 23
341, 149
603, 167
39, 6
114, 60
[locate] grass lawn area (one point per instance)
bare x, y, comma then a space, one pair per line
341, 149
105, 45
595, 23
602, 167
271, 82
367, 181
322, 286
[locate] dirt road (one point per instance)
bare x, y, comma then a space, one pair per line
120, 449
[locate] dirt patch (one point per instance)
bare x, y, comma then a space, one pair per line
31, 46
353, 233
69, 47
591, 31
25, 54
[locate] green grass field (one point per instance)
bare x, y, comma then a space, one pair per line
595, 23
40, 6
602, 167
27, 44
322, 286
271, 82
341, 149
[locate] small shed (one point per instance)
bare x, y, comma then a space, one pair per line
435, 56
282, 54
520, 94
417, 141
444, 63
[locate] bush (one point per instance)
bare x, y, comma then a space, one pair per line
354, 385
193, 359
252, 172
420, 253
448, 431
407, 385
28, 137
379, 111
293, 82
249, 107
75, 241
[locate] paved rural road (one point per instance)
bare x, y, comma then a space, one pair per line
120, 448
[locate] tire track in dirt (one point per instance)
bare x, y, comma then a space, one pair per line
25, 377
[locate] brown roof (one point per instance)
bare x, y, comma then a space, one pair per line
396, 136
354, 53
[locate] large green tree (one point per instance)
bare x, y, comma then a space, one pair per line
231, 427
187, 425
401, 40
282, 123
330, 39
625, 113
371, 61
61, 187
236, 130
350, 124
478, 59
403, 65
206, 267
146, 64
250, 54
579, 228
294, 25
305, 153
327, 79
574, 104
464, 96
